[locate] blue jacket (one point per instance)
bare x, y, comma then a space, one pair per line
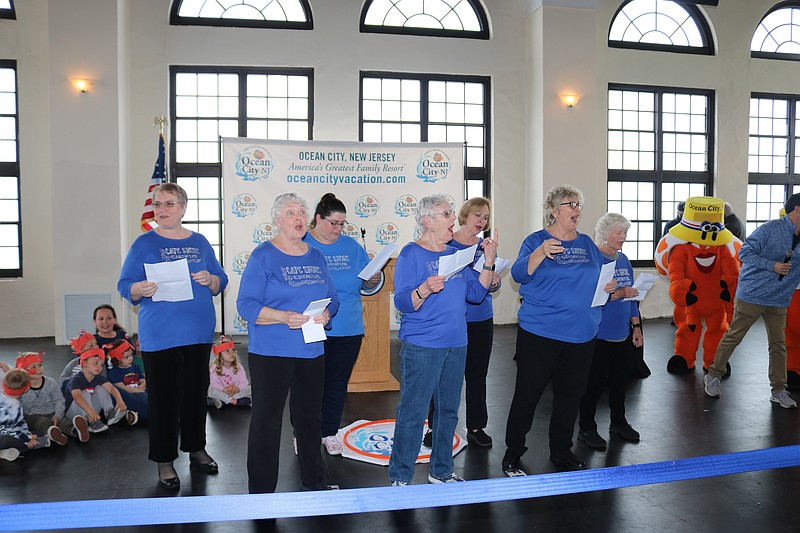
758, 282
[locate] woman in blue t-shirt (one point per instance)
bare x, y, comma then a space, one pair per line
282, 277
620, 330
345, 259
557, 269
433, 332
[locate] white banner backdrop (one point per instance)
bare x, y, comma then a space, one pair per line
378, 183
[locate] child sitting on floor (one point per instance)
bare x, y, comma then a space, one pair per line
43, 403
228, 383
90, 393
80, 343
15, 436
127, 376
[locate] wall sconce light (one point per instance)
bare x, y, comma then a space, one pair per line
570, 100
84, 85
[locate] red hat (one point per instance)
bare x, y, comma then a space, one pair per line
16, 393
80, 341
118, 352
224, 343
26, 359
93, 352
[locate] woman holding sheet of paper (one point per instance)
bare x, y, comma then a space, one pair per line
282, 277
433, 331
558, 270
620, 330
175, 336
474, 219
345, 259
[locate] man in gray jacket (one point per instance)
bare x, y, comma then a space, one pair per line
766, 284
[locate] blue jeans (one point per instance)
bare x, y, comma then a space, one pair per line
426, 373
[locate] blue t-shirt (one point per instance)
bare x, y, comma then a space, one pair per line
79, 382
557, 297
345, 259
286, 283
164, 325
440, 322
482, 311
617, 314
130, 376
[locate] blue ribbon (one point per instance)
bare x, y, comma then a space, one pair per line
198, 509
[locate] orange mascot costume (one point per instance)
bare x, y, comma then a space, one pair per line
793, 341
699, 256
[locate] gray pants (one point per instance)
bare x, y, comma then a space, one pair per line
99, 399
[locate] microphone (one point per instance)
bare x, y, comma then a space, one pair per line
786, 259
363, 240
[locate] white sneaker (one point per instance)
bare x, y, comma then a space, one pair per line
131, 417
9, 454
332, 445
452, 477
783, 399
400, 483
712, 385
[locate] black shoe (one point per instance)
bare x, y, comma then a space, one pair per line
793, 379
427, 440
511, 465
167, 477
568, 460
204, 462
678, 365
479, 438
592, 439
625, 431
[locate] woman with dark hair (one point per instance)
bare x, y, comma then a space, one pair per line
557, 269
345, 259
175, 337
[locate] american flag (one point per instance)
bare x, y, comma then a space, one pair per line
159, 176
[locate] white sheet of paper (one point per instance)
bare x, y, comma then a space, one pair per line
313, 332
455, 263
606, 275
378, 261
644, 283
174, 281
500, 264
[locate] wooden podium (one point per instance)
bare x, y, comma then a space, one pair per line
372, 372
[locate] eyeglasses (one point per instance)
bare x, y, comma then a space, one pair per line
572, 205
336, 223
445, 214
169, 205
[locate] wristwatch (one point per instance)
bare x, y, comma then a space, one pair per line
487, 267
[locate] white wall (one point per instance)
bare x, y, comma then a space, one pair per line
86, 159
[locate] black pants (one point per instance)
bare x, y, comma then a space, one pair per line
272, 379
541, 360
611, 364
479, 349
177, 386
341, 354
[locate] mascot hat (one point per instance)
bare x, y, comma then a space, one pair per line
703, 222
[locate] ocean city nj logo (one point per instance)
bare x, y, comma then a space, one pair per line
351, 230
386, 233
244, 205
239, 323
433, 166
366, 206
240, 261
254, 163
405, 205
264, 232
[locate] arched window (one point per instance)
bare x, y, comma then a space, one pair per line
286, 14
661, 25
778, 34
7, 10
437, 18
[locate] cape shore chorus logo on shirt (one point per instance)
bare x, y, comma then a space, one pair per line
254, 163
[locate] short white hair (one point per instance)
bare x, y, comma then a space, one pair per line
606, 224
287, 198
425, 207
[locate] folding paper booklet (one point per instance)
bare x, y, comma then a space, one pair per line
174, 281
644, 283
378, 261
313, 332
606, 275
455, 263
500, 264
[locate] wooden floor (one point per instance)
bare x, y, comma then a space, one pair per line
675, 418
